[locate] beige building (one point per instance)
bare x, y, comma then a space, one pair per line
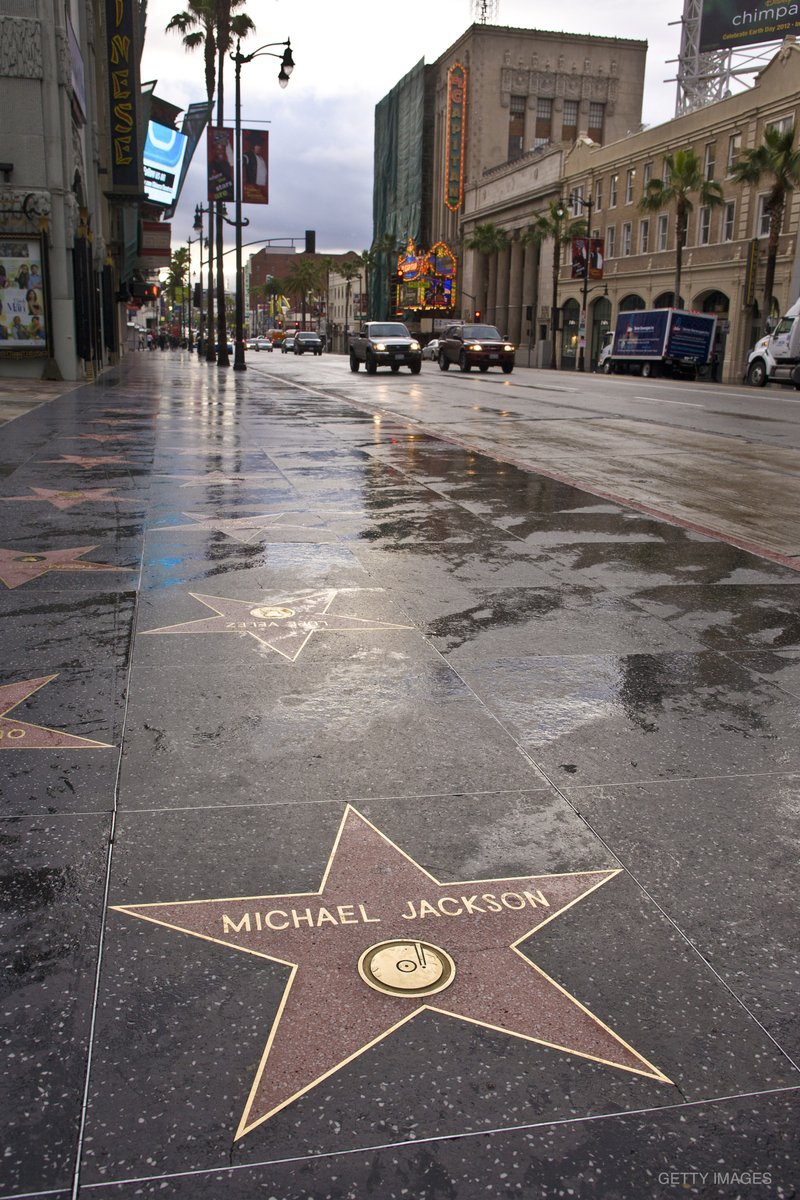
725, 250
497, 99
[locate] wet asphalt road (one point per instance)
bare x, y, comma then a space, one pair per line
384, 818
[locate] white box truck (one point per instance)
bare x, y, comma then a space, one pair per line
776, 357
660, 341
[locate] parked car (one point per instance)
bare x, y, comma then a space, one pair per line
431, 351
263, 344
307, 342
480, 346
287, 345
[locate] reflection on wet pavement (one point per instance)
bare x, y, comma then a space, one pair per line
239, 615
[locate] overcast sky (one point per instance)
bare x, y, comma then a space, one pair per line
348, 56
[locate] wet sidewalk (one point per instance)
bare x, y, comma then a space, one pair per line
382, 820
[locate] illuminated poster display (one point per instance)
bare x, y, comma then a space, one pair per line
456, 130
164, 151
23, 330
725, 24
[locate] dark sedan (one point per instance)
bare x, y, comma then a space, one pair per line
480, 346
307, 342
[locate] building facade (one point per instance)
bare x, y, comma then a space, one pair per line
724, 254
521, 119
496, 97
70, 182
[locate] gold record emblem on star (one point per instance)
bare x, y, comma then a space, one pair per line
21, 735
382, 941
282, 624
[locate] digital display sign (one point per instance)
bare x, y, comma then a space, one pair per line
164, 152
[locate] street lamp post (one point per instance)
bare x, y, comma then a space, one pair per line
199, 213
576, 198
287, 66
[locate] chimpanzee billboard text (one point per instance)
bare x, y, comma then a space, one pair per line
726, 24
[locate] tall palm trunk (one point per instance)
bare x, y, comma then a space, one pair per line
222, 334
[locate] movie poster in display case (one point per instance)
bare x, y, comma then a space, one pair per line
23, 322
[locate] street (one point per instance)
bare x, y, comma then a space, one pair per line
724, 459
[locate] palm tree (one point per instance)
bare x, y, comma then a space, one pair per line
385, 247
349, 270
303, 278
488, 240
198, 27
176, 281
554, 224
684, 177
778, 160
229, 25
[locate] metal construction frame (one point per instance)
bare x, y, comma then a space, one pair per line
704, 77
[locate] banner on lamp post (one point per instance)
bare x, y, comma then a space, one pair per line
255, 166
220, 164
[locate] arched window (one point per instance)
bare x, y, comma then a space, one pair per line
631, 303
665, 301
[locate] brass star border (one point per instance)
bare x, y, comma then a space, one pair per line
372, 891
22, 735
284, 624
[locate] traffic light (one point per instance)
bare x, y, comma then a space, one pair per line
197, 296
478, 314
145, 291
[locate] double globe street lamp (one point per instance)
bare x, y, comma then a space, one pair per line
287, 66
573, 200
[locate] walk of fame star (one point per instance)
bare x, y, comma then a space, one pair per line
72, 497
243, 529
81, 461
20, 735
377, 906
254, 478
101, 437
284, 624
21, 566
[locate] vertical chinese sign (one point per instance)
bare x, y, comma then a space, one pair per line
456, 130
123, 84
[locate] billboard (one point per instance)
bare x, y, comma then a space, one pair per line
726, 24
255, 166
164, 152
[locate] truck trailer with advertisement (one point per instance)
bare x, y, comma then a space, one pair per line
660, 341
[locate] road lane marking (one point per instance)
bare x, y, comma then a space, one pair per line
682, 403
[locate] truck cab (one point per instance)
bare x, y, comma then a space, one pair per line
775, 358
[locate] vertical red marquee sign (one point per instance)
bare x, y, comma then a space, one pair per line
123, 88
456, 130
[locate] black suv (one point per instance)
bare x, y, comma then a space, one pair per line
310, 342
480, 346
